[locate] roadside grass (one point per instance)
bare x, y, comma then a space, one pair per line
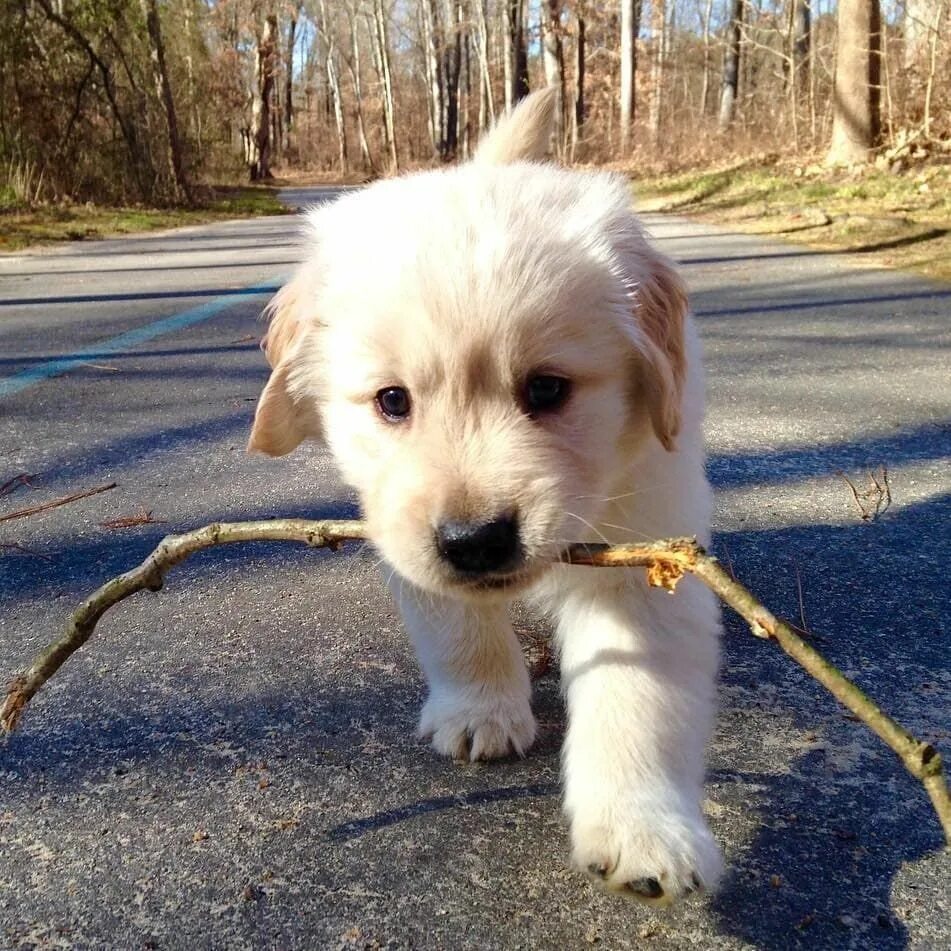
49, 224
894, 220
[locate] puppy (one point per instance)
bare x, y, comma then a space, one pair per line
503, 366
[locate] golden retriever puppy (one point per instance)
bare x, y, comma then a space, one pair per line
503, 366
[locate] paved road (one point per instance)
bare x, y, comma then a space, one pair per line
230, 763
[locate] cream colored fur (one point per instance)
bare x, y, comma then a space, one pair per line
458, 285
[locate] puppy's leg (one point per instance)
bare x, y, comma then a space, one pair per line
638, 669
479, 704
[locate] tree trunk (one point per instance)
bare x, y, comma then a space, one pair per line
630, 27
163, 89
731, 66
801, 46
389, 110
658, 62
577, 125
429, 21
855, 116
705, 84
450, 65
353, 66
516, 54
486, 101
333, 85
289, 74
554, 62
259, 159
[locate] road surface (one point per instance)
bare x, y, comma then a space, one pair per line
231, 763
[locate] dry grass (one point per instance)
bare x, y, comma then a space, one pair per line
49, 224
892, 220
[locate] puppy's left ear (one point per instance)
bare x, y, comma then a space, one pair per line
287, 412
660, 311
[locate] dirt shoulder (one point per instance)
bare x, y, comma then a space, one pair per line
51, 224
883, 219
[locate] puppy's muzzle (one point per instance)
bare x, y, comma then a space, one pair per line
476, 549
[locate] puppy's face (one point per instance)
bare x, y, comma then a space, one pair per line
481, 354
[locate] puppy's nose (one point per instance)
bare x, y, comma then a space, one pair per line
480, 547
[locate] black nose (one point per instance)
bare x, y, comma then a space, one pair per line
480, 547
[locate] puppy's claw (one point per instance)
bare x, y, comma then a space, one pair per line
648, 888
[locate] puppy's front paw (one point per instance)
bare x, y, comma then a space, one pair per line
478, 725
649, 850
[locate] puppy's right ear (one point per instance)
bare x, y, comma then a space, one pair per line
524, 134
287, 413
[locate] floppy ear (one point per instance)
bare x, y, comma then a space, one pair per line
660, 310
287, 414
283, 316
524, 134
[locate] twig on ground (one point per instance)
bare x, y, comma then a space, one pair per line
17, 480
25, 551
65, 500
130, 521
875, 500
666, 562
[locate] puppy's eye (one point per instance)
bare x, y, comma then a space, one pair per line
393, 402
546, 394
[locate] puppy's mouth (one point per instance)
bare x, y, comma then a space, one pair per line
500, 582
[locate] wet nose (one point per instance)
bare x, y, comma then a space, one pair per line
477, 548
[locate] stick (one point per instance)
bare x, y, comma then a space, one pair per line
21, 479
666, 563
65, 500
171, 551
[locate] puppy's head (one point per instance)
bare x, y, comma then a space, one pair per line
483, 349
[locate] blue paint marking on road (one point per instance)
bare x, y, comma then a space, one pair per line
127, 341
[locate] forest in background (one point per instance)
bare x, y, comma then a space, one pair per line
148, 101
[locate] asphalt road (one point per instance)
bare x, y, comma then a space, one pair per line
231, 763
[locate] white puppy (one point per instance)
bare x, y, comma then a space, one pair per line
503, 366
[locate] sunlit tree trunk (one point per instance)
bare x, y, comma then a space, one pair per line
353, 67
630, 27
855, 115
389, 109
333, 84
658, 23
486, 99
578, 113
259, 158
554, 63
731, 65
179, 179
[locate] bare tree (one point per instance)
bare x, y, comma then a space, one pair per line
516, 52
579, 111
381, 47
659, 39
163, 89
326, 28
855, 116
706, 17
630, 27
801, 45
486, 99
353, 67
731, 64
289, 66
258, 138
554, 63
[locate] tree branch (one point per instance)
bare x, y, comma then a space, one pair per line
666, 563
